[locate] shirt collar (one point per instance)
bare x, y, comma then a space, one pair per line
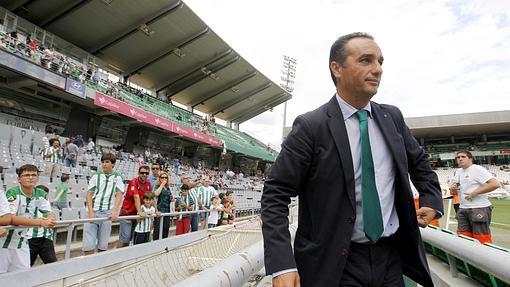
348, 110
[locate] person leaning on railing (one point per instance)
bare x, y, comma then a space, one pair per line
19, 206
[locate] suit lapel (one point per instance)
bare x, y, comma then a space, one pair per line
392, 137
339, 133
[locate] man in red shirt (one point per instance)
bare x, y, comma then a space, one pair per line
137, 188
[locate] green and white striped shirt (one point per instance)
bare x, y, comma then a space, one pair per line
54, 157
39, 232
193, 193
145, 225
207, 193
104, 188
4, 205
21, 205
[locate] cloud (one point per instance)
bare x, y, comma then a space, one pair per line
441, 57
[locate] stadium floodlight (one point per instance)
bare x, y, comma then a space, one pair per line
288, 76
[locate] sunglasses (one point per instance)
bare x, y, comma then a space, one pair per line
144, 172
163, 177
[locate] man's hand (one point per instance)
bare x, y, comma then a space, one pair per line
425, 215
91, 214
470, 195
115, 216
454, 189
48, 222
3, 232
290, 279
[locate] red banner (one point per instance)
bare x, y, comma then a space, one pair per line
157, 121
504, 151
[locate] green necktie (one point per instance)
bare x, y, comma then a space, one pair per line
372, 218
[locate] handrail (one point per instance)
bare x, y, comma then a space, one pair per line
485, 258
72, 223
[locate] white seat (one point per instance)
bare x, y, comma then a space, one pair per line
70, 214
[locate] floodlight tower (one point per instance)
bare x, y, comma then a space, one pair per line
288, 76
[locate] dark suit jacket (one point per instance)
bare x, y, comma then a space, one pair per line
315, 163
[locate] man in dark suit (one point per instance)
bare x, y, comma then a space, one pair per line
350, 161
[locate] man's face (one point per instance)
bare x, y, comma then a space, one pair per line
28, 179
360, 74
155, 170
143, 174
56, 144
184, 192
107, 166
463, 160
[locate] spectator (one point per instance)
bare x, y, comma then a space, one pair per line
52, 155
215, 210
131, 205
23, 203
183, 203
155, 168
40, 239
79, 141
90, 146
205, 193
102, 188
45, 142
144, 225
71, 152
165, 198
472, 184
61, 190
230, 196
226, 214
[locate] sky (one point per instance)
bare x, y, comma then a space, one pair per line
440, 57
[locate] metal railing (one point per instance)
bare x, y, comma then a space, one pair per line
493, 261
71, 224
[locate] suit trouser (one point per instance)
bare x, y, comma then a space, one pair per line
373, 265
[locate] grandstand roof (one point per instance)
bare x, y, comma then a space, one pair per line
497, 122
161, 45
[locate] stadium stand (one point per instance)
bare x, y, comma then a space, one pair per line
46, 99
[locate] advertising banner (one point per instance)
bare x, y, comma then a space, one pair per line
75, 88
154, 120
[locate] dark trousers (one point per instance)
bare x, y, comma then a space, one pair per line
166, 226
194, 221
42, 247
141, 237
373, 265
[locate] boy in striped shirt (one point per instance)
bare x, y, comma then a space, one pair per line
40, 239
144, 225
23, 203
103, 187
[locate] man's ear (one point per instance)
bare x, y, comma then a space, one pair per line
336, 69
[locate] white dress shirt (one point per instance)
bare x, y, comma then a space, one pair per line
384, 168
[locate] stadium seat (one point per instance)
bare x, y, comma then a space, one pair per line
70, 213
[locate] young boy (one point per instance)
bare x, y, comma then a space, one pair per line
103, 186
143, 227
61, 190
214, 209
40, 239
23, 201
183, 203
